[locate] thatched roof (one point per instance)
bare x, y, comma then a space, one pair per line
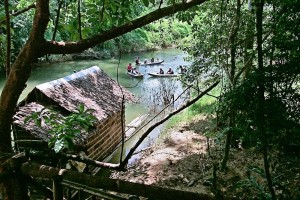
24, 112
42, 131
90, 87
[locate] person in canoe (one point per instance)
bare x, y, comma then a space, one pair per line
129, 68
182, 69
161, 71
135, 71
170, 71
137, 60
145, 61
152, 60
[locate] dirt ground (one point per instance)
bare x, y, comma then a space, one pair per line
180, 159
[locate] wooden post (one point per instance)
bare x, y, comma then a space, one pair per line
80, 195
69, 193
20, 190
57, 188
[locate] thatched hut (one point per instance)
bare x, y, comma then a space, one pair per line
92, 88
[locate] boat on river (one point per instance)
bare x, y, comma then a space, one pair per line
135, 74
163, 75
157, 62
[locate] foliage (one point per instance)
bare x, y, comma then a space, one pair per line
210, 46
39, 44
2, 55
64, 130
207, 104
98, 16
252, 184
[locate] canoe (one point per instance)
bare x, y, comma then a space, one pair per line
163, 75
135, 75
152, 63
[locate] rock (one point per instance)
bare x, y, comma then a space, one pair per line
207, 183
133, 197
191, 183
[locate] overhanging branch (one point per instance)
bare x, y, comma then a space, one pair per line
52, 47
20, 11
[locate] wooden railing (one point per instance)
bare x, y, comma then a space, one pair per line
67, 182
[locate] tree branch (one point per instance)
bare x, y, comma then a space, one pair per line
83, 159
90, 161
52, 47
20, 11
23, 10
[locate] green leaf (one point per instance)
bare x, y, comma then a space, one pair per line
146, 2
152, 1
81, 108
113, 7
59, 146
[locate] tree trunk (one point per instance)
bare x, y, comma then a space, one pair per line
261, 98
16, 80
60, 3
6, 186
232, 112
8, 38
248, 58
20, 73
79, 18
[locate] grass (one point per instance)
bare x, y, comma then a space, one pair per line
204, 106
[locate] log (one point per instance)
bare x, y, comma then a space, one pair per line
149, 191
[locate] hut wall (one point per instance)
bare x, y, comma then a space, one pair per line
106, 138
24, 140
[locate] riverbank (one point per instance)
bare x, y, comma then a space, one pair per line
182, 158
93, 54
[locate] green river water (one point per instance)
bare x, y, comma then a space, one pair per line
145, 89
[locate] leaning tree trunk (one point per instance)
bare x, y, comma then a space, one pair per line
16, 82
260, 97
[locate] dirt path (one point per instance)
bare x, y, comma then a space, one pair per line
179, 159
175, 161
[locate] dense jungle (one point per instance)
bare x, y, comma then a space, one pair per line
236, 137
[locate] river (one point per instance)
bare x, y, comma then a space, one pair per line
148, 90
